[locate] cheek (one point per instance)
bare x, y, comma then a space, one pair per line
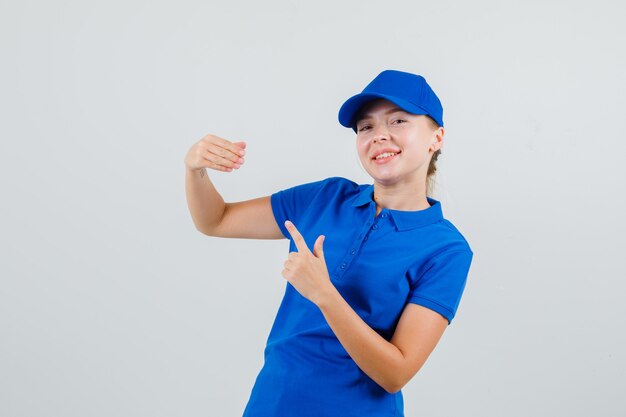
361, 149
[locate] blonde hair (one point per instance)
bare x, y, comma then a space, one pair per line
432, 166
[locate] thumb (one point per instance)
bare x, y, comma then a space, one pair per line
318, 248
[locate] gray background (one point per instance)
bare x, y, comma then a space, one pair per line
112, 304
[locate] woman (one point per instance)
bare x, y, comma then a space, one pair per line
375, 272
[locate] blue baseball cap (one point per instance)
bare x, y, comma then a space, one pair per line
408, 91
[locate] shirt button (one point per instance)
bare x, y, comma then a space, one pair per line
384, 215
352, 252
343, 266
375, 226
365, 238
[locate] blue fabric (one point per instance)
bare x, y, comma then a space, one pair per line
408, 91
378, 264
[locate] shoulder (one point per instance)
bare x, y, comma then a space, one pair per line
454, 235
338, 186
319, 191
340, 182
446, 233
328, 182
342, 189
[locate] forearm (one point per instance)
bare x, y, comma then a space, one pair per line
205, 203
379, 359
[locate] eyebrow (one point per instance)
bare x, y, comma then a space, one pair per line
368, 115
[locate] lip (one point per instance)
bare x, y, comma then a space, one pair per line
385, 160
383, 150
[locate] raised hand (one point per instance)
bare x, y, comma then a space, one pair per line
216, 153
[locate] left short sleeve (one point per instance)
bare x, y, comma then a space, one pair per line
294, 202
439, 285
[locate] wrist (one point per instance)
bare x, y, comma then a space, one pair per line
327, 297
195, 171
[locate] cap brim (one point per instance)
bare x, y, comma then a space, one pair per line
349, 109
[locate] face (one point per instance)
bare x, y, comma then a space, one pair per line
384, 127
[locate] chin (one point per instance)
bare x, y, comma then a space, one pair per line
385, 179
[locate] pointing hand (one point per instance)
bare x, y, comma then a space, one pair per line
307, 271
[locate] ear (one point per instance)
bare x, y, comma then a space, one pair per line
438, 139
440, 132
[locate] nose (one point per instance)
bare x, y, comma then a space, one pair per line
381, 132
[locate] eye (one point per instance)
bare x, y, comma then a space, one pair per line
364, 127
399, 121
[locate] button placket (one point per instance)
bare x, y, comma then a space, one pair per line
351, 255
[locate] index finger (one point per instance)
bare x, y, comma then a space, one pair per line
228, 145
297, 237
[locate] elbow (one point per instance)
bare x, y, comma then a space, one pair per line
204, 230
396, 382
393, 388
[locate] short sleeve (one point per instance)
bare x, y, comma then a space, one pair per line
292, 203
440, 284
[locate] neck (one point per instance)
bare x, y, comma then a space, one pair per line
405, 198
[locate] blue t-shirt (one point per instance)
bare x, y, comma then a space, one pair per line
378, 264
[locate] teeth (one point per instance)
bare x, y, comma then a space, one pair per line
385, 155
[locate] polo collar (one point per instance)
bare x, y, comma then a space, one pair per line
404, 220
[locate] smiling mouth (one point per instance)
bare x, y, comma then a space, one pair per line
386, 156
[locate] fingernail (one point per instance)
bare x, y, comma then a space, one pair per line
242, 152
